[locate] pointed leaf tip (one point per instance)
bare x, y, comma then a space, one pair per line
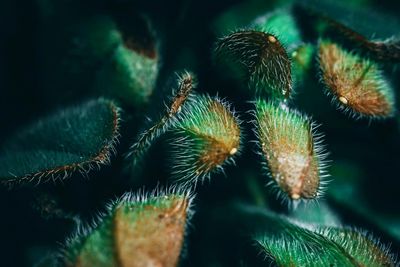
291, 150
206, 137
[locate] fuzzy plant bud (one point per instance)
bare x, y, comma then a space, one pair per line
283, 24
206, 136
290, 149
356, 84
136, 231
259, 59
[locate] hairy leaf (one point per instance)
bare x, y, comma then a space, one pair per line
356, 84
206, 136
258, 59
292, 152
136, 230
74, 139
327, 246
374, 32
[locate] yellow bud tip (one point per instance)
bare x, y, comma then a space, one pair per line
343, 100
295, 196
271, 38
233, 151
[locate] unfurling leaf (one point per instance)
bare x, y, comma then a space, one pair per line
136, 231
292, 152
356, 84
75, 139
206, 136
186, 82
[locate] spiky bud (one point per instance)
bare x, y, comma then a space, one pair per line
206, 136
291, 150
356, 84
136, 231
258, 59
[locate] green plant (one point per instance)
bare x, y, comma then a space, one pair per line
242, 130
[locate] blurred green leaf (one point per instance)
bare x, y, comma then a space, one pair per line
375, 32
346, 192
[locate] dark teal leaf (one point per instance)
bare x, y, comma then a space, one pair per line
74, 139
